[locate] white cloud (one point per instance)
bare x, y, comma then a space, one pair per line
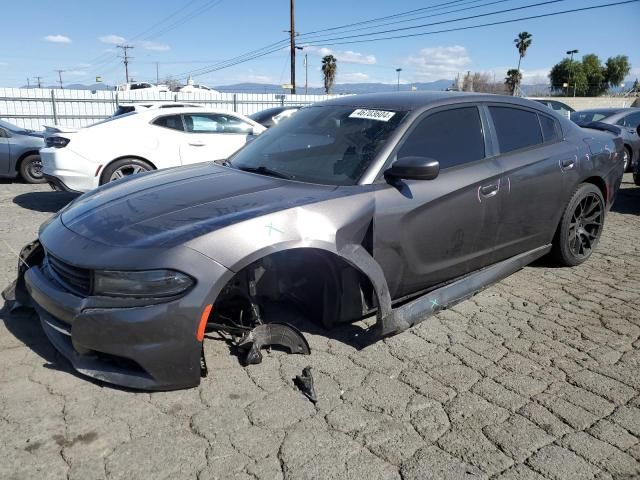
57, 39
112, 39
157, 47
357, 77
435, 63
74, 73
347, 56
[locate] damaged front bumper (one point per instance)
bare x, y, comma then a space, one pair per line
147, 344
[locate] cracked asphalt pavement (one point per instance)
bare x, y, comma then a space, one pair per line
536, 377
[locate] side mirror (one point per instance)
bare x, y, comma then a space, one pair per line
414, 168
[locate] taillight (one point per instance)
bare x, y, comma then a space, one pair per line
57, 142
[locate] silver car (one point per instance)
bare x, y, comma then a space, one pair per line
19, 149
627, 119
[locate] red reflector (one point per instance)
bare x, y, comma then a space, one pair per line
203, 322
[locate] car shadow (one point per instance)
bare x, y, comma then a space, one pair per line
627, 201
49, 202
23, 323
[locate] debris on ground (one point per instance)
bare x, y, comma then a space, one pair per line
305, 383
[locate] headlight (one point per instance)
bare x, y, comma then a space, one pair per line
149, 283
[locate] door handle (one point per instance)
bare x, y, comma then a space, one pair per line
196, 144
568, 164
490, 190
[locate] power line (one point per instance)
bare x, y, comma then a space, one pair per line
419, 17
440, 22
396, 15
470, 27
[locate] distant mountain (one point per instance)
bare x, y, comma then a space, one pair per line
340, 88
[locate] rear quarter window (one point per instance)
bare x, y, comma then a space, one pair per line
516, 128
551, 131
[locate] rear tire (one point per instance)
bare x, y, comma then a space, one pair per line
580, 226
123, 168
626, 158
31, 169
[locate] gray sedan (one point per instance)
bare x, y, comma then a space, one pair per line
627, 119
388, 205
19, 149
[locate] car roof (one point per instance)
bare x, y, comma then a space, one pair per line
418, 100
182, 110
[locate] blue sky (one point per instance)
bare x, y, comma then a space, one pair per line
80, 37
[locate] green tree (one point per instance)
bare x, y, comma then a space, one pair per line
329, 70
523, 42
559, 75
512, 80
617, 68
595, 74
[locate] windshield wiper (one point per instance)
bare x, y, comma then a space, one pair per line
262, 170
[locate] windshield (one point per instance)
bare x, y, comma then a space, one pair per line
13, 128
330, 145
589, 116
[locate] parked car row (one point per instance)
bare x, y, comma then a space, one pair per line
137, 137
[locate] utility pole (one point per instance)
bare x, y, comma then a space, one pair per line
398, 70
38, 79
60, 78
157, 74
125, 59
570, 52
28, 85
306, 73
292, 35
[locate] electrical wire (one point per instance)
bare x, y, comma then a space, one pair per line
470, 27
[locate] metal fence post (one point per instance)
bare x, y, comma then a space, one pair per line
235, 102
53, 106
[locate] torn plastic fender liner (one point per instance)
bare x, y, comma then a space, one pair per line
274, 333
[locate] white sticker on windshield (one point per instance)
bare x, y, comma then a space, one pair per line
367, 114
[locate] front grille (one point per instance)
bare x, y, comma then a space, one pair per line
76, 280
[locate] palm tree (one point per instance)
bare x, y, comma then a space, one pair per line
512, 80
329, 69
523, 42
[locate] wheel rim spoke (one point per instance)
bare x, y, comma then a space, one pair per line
585, 225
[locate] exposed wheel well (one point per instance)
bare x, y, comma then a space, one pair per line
324, 287
23, 156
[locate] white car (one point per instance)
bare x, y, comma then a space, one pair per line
127, 87
140, 141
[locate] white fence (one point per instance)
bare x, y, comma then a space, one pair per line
35, 107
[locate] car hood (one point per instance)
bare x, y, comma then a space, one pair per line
170, 207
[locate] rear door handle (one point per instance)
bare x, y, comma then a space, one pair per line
568, 164
196, 144
490, 190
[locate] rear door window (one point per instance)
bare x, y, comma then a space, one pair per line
515, 128
453, 137
174, 122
